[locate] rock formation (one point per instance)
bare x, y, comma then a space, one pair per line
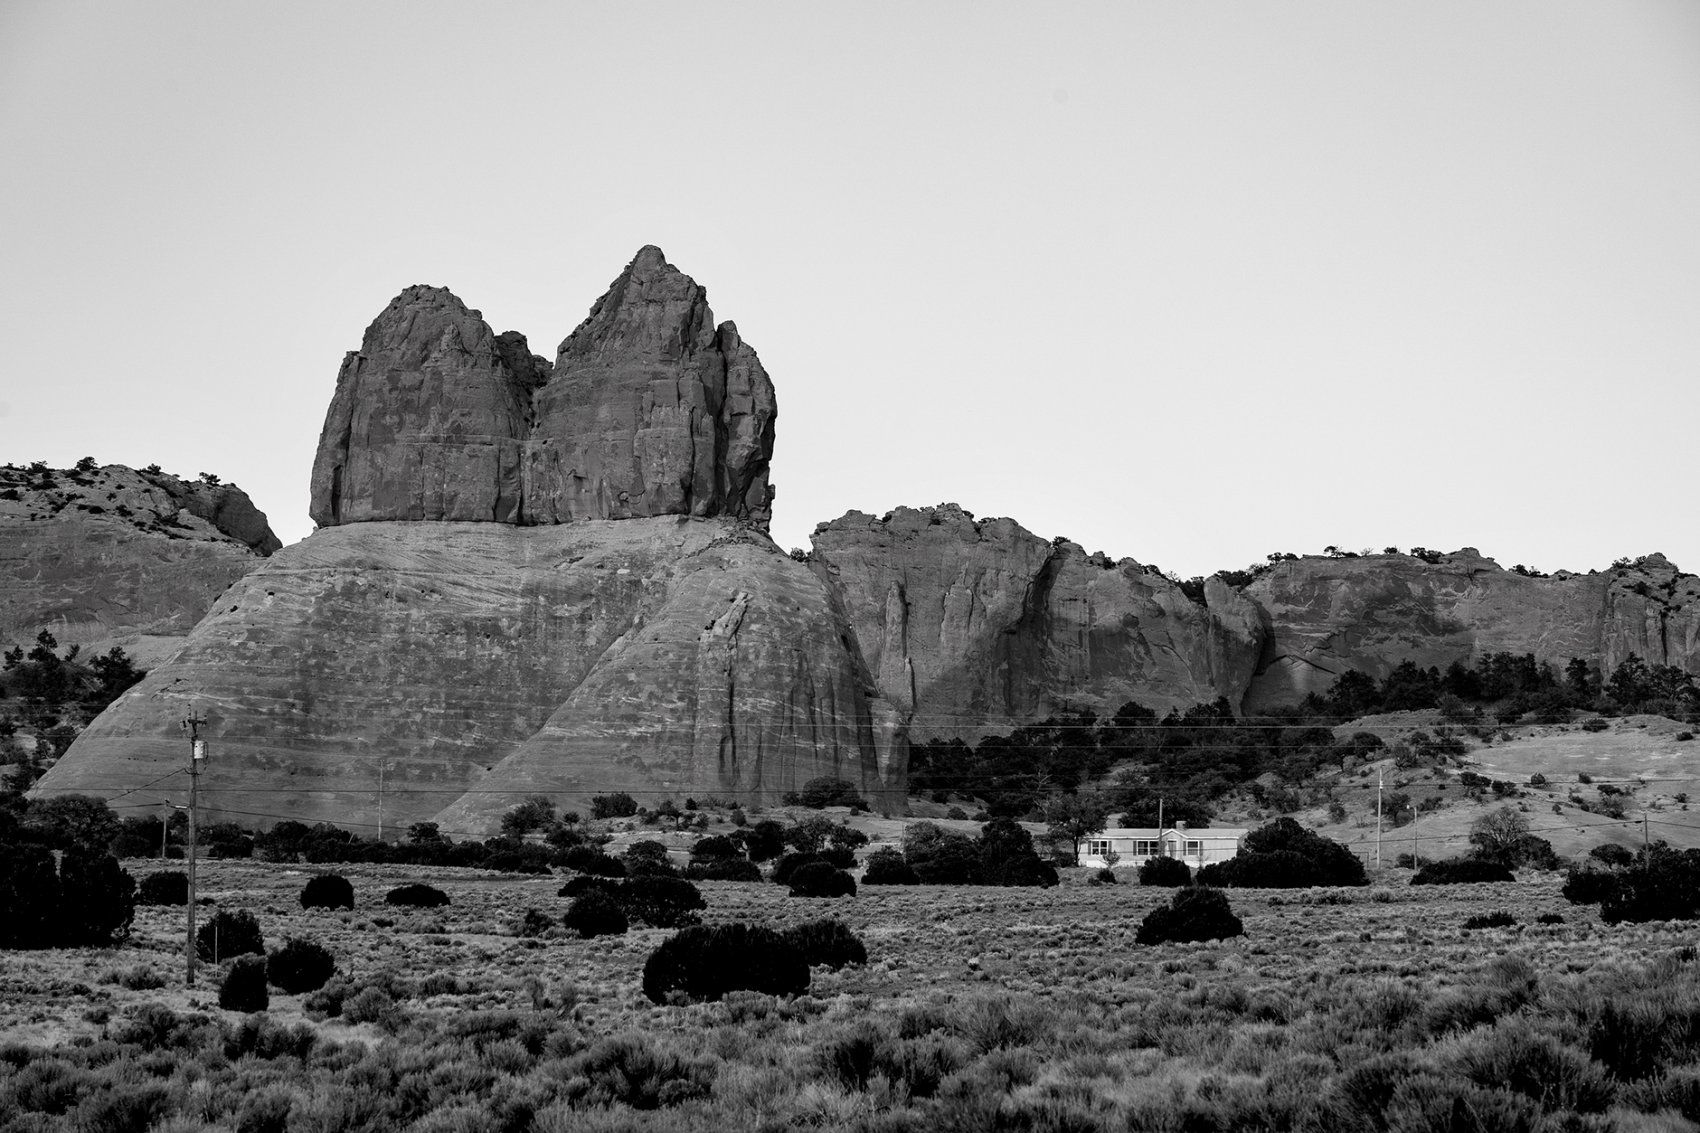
650, 409
980, 625
1370, 612
527, 580
106, 555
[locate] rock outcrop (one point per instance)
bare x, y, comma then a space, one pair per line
528, 579
650, 409
1370, 612
107, 555
980, 625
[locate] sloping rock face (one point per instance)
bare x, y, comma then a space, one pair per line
650, 409
108, 555
980, 625
1371, 612
528, 579
666, 657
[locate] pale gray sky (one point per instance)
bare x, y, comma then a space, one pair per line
1189, 282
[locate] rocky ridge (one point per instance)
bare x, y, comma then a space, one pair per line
108, 555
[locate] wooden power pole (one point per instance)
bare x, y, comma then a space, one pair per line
192, 724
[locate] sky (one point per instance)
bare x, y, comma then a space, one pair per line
1186, 282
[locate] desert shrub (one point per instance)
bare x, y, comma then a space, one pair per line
595, 913
1663, 885
229, 934
588, 859
1007, 856
300, 966
167, 887
765, 840
829, 943
578, 886
1194, 913
1612, 854
939, 856
887, 867
97, 898
839, 857
244, 985
1536, 1066
648, 859
715, 846
821, 879
1462, 871
664, 902
127, 1108
1284, 855
723, 869
369, 1005
1595, 724
1500, 919
327, 891
1550, 918
417, 896
790, 864
635, 1071
618, 805
534, 922
827, 791
1587, 885
706, 962
1165, 871
29, 897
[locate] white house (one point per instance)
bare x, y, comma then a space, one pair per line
1134, 846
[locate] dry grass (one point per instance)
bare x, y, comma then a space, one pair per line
1033, 1008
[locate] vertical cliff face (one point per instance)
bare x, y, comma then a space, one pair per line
1371, 612
650, 409
981, 625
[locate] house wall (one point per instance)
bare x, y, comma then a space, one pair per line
1136, 847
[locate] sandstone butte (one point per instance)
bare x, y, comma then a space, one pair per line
527, 579
104, 555
556, 578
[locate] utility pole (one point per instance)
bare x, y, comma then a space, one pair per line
1380, 782
1416, 862
1162, 844
192, 724
380, 800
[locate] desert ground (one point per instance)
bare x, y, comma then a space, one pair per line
978, 1008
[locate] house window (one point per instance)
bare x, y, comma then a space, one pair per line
1145, 848
1097, 847
1193, 849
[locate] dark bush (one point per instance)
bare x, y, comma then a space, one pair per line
714, 847
765, 840
1165, 871
29, 897
723, 869
1007, 856
1549, 918
704, 963
619, 805
417, 896
244, 986
828, 943
941, 857
827, 791
167, 887
1462, 871
1595, 724
790, 864
97, 898
821, 879
887, 867
839, 857
229, 934
1490, 920
1284, 855
648, 859
1612, 854
595, 913
589, 859
519, 858
584, 883
664, 902
299, 966
1194, 913
327, 891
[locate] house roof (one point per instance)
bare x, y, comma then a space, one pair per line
1214, 833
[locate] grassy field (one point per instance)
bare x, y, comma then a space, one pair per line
978, 1009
